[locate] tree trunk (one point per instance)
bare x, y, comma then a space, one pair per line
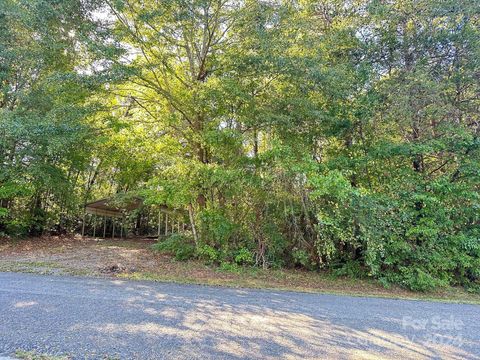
192, 223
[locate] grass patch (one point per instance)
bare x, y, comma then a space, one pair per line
29, 266
41, 268
306, 282
33, 355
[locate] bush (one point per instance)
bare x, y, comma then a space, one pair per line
209, 254
244, 257
301, 258
16, 228
230, 267
418, 280
216, 227
180, 246
350, 268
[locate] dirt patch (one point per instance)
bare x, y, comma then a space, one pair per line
134, 259
97, 256
116, 269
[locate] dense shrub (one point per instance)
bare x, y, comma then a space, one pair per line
178, 245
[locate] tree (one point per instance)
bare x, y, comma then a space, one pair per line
43, 110
326, 135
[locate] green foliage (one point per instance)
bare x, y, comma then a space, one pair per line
301, 258
347, 141
178, 245
17, 228
244, 257
350, 268
229, 267
44, 110
215, 227
209, 254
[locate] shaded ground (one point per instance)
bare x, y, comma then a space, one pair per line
87, 318
134, 259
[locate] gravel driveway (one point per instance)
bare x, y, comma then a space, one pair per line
113, 319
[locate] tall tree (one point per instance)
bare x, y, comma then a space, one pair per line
42, 108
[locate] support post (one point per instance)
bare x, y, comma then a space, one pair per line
121, 229
104, 226
94, 224
159, 223
83, 224
113, 227
166, 224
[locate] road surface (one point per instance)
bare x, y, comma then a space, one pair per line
90, 318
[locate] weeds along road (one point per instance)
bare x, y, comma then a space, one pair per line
89, 318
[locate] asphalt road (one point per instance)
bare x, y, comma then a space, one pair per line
112, 319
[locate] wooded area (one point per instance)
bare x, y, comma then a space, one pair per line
338, 135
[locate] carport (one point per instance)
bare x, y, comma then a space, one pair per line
105, 208
168, 219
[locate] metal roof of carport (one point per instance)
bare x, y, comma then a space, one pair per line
106, 208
